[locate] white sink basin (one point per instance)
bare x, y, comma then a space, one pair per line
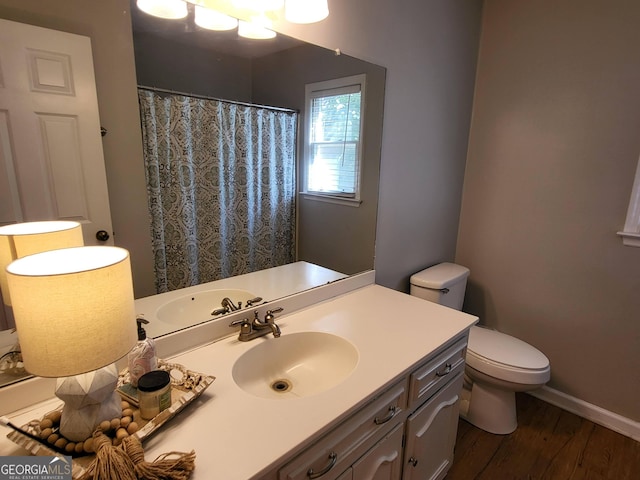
197, 307
295, 365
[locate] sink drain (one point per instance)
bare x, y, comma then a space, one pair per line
281, 386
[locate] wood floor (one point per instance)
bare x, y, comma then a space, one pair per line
550, 444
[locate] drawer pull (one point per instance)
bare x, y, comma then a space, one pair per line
392, 413
333, 458
446, 371
413, 461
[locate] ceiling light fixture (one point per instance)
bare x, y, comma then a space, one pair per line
214, 20
306, 11
252, 17
259, 5
256, 29
171, 9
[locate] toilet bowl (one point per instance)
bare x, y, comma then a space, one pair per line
497, 365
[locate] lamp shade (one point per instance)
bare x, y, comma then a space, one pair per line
21, 239
74, 309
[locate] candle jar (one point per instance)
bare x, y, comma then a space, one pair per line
154, 393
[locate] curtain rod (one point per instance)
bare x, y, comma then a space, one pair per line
204, 97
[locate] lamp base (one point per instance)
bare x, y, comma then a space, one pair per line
89, 399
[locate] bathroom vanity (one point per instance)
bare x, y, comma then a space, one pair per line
380, 374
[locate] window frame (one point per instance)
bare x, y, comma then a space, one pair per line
631, 232
311, 90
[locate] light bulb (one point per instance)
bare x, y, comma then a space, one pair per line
214, 20
171, 9
257, 29
306, 11
259, 5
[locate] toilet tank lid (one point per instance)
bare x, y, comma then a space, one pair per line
440, 276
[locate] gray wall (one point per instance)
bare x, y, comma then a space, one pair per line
429, 48
161, 63
552, 155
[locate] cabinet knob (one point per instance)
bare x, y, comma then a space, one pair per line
333, 458
413, 461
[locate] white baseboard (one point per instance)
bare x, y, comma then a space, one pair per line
610, 420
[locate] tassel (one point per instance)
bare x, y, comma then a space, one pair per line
111, 463
163, 467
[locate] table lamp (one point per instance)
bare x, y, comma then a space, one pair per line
74, 311
20, 239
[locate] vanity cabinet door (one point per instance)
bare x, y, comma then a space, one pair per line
431, 434
384, 460
348, 475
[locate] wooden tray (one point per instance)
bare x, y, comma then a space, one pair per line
186, 386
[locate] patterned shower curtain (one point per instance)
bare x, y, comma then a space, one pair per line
221, 187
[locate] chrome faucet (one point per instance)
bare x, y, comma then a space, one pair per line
258, 328
228, 306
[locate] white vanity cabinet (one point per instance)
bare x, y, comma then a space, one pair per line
431, 428
342, 447
408, 432
431, 435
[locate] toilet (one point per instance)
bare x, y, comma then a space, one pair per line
497, 365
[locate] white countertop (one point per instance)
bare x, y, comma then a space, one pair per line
240, 436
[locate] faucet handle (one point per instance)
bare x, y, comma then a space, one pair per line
246, 329
253, 301
241, 321
270, 314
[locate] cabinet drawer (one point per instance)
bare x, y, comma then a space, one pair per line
341, 447
426, 380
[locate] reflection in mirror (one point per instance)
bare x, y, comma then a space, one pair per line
179, 56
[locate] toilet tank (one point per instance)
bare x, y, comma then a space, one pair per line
444, 283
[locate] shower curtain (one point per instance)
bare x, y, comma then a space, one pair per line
221, 187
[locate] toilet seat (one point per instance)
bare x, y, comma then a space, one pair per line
506, 358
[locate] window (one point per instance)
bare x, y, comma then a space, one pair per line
333, 153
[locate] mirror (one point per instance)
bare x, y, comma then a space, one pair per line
274, 72
178, 56
336, 237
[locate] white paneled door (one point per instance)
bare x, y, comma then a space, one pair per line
51, 159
